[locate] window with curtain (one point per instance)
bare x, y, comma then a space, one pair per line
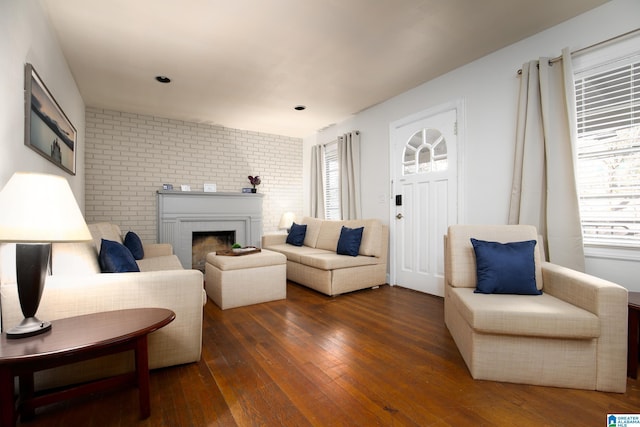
608, 150
331, 182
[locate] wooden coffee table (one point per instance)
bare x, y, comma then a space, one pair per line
72, 340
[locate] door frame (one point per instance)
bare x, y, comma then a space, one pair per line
459, 106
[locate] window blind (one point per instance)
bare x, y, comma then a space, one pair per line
608, 150
332, 183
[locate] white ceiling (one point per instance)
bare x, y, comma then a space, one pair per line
246, 63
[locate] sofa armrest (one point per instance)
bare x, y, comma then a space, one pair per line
273, 239
152, 250
606, 300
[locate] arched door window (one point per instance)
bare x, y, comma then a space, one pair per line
424, 152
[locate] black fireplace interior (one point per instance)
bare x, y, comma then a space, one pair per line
203, 242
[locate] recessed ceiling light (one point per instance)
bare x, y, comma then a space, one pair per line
163, 79
299, 107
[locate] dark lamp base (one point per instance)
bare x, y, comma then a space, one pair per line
29, 327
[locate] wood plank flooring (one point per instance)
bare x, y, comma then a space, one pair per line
375, 357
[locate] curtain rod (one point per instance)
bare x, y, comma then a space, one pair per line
586, 48
335, 141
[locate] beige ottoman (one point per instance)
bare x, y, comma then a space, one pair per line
234, 281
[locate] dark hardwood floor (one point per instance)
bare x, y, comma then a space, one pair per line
374, 357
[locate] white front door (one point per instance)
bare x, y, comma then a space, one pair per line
424, 168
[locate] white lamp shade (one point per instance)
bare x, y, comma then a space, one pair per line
37, 207
286, 220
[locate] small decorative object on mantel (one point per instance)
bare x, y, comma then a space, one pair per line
254, 180
168, 187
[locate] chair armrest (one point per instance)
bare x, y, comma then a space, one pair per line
273, 239
596, 295
157, 249
606, 300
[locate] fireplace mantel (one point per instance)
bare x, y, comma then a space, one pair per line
180, 213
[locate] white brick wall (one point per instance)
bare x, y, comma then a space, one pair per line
129, 157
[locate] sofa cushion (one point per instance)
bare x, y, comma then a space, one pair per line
371, 244
294, 253
313, 231
160, 263
349, 241
371, 236
333, 261
69, 259
461, 262
541, 315
116, 258
329, 235
505, 268
296, 234
104, 230
134, 244
74, 258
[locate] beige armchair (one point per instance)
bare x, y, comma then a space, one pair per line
573, 335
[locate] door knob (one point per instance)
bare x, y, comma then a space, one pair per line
399, 216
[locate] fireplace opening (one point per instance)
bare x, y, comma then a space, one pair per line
203, 242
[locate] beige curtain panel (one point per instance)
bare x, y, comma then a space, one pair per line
349, 166
317, 181
544, 192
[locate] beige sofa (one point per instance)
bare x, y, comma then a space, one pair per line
77, 287
316, 264
573, 335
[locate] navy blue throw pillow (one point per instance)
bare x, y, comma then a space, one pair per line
296, 234
505, 268
349, 241
134, 244
116, 258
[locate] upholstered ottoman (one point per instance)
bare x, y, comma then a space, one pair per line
234, 281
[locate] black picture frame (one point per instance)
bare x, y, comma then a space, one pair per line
48, 131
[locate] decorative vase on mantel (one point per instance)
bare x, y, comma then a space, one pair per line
254, 180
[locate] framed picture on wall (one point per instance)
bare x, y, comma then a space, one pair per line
48, 131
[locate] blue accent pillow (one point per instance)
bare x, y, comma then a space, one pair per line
296, 234
116, 258
349, 241
505, 268
134, 244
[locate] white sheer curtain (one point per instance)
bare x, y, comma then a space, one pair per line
544, 190
317, 181
349, 164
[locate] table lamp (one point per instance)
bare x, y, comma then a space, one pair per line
36, 210
286, 220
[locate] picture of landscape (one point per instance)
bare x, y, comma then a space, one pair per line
48, 131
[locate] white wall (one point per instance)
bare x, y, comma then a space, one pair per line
488, 87
27, 36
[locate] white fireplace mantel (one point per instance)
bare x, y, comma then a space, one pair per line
182, 213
